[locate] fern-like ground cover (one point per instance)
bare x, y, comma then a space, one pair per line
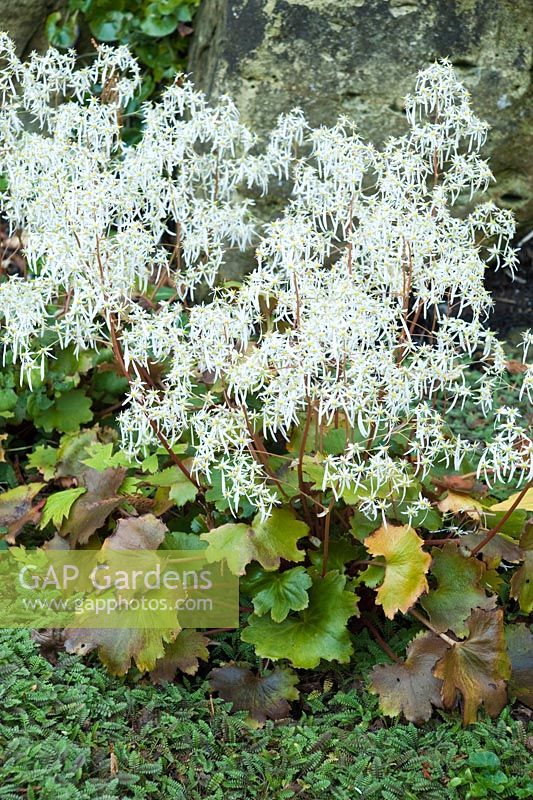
70, 732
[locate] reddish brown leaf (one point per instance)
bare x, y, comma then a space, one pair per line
477, 668
137, 533
261, 695
92, 509
514, 367
456, 483
410, 687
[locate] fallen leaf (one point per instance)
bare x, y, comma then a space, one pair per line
182, 654
477, 668
263, 696
410, 687
406, 565
458, 590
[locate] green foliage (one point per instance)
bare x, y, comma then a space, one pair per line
58, 505
156, 31
58, 723
319, 631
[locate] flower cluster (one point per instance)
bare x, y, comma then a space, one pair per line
365, 301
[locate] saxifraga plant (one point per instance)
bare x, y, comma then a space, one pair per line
312, 397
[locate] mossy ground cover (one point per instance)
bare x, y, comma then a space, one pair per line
71, 731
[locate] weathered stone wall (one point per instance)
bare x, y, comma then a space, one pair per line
24, 21
359, 57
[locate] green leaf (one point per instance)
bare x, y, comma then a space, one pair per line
477, 668
267, 542
157, 24
410, 687
181, 489
317, 632
101, 457
58, 505
341, 552
458, 590
263, 696
65, 413
179, 540
44, 459
406, 565
278, 592
62, 33
108, 27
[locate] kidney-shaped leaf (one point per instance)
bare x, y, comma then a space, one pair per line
317, 632
410, 686
137, 533
263, 696
182, 654
91, 510
118, 647
458, 591
265, 541
279, 592
477, 668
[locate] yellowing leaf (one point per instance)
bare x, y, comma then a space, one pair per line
406, 565
182, 654
16, 509
477, 668
118, 647
458, 590
526, 503
455, 503
410, 687
267, 542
